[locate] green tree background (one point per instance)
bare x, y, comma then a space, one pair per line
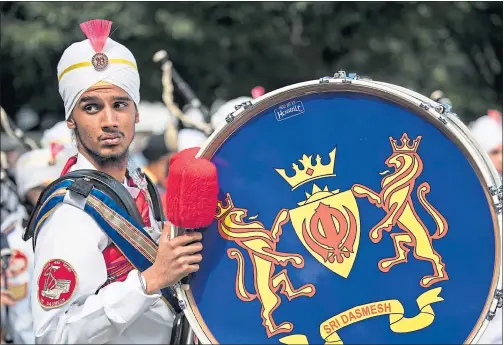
223, 49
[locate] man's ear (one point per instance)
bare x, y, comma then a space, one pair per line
70, 123
137, 117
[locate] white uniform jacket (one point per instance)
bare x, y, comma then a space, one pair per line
70, 303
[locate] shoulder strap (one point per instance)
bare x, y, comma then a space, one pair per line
93, 179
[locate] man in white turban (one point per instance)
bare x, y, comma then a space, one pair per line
488, 132
87, 289
33, 172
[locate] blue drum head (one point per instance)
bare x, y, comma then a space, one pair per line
345, 216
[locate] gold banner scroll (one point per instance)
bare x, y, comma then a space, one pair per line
392, 307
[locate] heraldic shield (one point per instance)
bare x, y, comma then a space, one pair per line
343, 218
327, 222
328, 225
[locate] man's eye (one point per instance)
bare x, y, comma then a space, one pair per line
91, 108
120, 105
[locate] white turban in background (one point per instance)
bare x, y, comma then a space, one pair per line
38, 168
77, 73
487, 130
188, 137
58, 134
219, 116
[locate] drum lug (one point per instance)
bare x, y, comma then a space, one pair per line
424, 106
340, 75
443, 109
498, 297
346, 79
244, 105
440, 109
324, 80
496, 191
353, 76
230, 117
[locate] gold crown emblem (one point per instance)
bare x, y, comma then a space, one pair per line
309, 172
405, 147
223, 207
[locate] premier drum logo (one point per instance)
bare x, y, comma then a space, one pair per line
288, 110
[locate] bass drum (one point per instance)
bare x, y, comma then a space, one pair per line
350, 211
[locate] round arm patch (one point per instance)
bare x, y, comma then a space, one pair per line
56, 284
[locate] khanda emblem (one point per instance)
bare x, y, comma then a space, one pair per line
327, 223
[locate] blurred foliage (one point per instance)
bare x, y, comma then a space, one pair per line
224, 49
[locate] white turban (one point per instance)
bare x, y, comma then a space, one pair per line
38, 168
57, 134
188, 137
76, 72
488, 132
219, 116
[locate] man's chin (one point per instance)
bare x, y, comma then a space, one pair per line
111, 154
112, 151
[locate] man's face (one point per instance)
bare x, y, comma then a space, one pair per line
496, 157
104, 119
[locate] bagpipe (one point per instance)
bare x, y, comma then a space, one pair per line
168, 78
349, 211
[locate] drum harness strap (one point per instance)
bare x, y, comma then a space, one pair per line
109, 203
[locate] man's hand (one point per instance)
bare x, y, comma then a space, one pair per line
175, 259
6, 295
6, 298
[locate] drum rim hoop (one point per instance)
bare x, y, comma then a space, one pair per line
453, 128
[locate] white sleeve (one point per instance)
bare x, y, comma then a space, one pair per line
87, 317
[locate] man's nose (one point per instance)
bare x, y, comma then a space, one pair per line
109, 118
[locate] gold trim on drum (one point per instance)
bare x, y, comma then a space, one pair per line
453, 128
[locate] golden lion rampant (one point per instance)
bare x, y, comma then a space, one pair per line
395, 199
260, 244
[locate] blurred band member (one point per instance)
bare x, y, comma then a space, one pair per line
488, 132
34, 171
58, 135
